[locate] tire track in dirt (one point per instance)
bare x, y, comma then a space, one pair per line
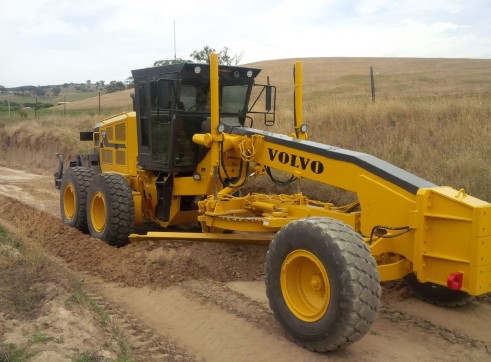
146, 344
206, 330
449, 335
233, 303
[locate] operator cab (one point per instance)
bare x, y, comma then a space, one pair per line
172, 103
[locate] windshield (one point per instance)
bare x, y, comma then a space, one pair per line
195, 98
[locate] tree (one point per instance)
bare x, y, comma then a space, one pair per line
56, 91
224, 57
129, 83
203, 56
40, 91
115, 86
2, 89
237, 58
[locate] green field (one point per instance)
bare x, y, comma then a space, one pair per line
431, 116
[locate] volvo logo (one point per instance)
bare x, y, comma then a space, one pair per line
296, 161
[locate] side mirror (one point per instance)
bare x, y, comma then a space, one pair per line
268, 98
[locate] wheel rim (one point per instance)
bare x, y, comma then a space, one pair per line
305, 285
98, 212
69, 201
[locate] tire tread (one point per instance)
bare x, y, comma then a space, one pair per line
361, 296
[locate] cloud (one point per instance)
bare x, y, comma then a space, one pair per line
62, 41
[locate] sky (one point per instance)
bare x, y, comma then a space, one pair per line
46, 42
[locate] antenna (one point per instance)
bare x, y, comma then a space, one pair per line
175, 56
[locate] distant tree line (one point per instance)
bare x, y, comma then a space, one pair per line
55, 90
15, 106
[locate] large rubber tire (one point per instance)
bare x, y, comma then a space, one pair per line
437, 294
322, 283
110, 209
73, 196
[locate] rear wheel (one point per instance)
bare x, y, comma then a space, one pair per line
73, 196
437, 294
322, 283
110, 209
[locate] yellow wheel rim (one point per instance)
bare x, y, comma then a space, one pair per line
98, 212
305, 285
69, 201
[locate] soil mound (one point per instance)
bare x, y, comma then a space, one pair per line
145, 263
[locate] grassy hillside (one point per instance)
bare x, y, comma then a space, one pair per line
431, 116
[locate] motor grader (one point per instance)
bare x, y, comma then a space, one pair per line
184, 155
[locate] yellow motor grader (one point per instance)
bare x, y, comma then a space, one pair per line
189, 147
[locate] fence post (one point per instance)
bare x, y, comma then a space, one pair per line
99, 103
372, 83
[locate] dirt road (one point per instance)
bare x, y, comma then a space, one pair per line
201, 301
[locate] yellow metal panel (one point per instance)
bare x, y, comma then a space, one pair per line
379, 199
453, 237
120, 151
480, 280
120, 132
483, 221
448, 237
121, 158
190, 186
107, 156
109, 133
481, 254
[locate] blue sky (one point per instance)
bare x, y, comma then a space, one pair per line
57, 41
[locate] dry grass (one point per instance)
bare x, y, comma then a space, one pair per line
113, 101
32, 285
23, 272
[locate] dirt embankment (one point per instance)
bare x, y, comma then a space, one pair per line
30, 146
146, 263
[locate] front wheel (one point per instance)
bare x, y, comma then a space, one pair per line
322, 283
73, 196
110, 209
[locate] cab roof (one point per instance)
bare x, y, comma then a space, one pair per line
191, 70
